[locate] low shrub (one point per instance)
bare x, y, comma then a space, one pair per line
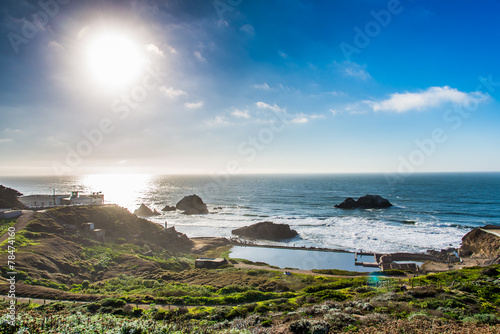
113, 302
299, 326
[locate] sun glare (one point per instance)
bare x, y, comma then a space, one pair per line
113, 60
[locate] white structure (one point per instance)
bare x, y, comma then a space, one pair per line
47, 201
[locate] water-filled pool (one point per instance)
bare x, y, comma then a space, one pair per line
300, 258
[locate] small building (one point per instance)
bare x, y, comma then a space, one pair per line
99, 234
77, 199
209, 263
88, 227
48, 201
41, 201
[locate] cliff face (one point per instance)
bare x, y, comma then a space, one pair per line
480, 243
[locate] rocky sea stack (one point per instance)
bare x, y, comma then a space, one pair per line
169, 208
192, 205
366, 202
266, 231
144, 211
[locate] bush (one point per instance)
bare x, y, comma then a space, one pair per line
93, 307
319, 327
489, 319
126, 329
266, 323
339, 319
330, 295
231, 289
299, 326
262, 308
113, 302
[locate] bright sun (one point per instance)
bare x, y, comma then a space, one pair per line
113, 60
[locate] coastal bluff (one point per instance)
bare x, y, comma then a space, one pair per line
266, 231
365, 202
482, 242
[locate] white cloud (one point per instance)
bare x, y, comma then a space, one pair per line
241, 113
274, 107
303, 118
283, 55
249, 29
155, 49
300, 119
198, 56
171, 92
263, 86
56, 45
218, 120
430, 98
13, 131
194, 105
222, 24
334, 112
6, 140
337, 93
351, 69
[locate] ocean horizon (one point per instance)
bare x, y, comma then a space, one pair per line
430, 210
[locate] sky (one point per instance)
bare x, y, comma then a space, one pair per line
239, 86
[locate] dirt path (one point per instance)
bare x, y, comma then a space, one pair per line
22, 222
293, 271
41, 301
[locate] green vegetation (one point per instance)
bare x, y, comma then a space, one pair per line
339, 272
137, 283
5, 224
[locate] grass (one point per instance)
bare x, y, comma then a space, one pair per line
5, 224
339, 272
319, 305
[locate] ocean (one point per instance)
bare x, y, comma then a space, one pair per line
431, 211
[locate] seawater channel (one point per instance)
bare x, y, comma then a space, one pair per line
301, 258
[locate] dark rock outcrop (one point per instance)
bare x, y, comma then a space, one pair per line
176, 240
348, 203
8, 198
445, 255
266, 231
144, 211
192, 205
169, 208
480, 243
366, 202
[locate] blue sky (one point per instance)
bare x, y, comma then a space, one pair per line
248, 86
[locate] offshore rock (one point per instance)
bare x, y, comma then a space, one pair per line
192, 205
266, 231
366, 202
169, 208
144, 211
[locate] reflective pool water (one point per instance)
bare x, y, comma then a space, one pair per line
301, 258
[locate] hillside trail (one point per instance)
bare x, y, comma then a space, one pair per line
22, 222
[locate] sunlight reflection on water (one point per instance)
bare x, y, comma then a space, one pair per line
121, 189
